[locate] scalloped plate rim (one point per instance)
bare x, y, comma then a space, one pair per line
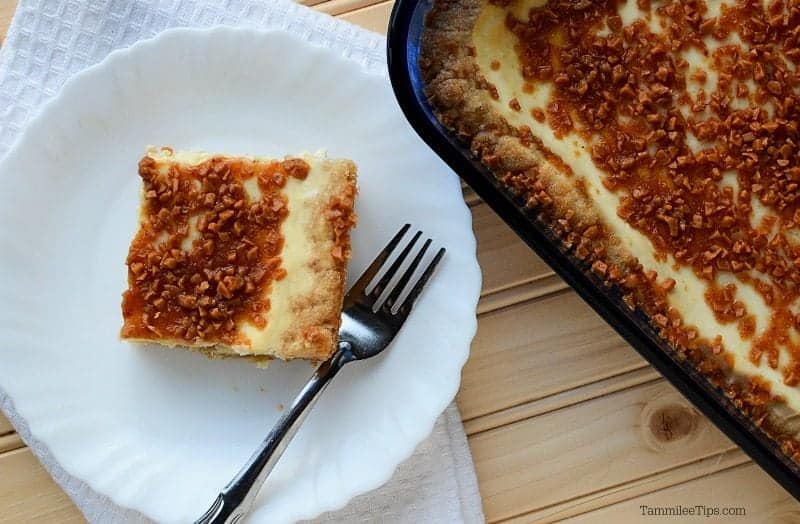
464, 336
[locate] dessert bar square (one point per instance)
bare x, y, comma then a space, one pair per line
240, 256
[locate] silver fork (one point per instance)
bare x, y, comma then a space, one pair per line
368, 326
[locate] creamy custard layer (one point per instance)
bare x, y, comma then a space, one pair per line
742, 313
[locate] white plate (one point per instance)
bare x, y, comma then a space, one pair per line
161, 431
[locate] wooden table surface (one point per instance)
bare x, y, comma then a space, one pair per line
564, 419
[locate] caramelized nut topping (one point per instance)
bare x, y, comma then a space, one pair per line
200, 292
627, 92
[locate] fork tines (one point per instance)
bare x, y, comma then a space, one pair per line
395, 302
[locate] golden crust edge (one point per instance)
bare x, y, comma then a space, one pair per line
315, 330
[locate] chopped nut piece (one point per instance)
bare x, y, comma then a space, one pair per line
187, 301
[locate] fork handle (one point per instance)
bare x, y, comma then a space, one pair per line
236, 499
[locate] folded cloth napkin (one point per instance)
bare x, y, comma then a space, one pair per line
48, 41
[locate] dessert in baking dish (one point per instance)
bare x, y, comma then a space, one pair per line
660, 140
240, 256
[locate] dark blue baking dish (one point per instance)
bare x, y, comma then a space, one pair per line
403, 45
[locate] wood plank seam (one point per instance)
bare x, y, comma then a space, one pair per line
471, 197
367, 6
602, 494
10, 442
536, 278
374, 17
340, 7
528, 467
312, 3
522, 293
527, 298
578, 401
745, 486
529, 410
